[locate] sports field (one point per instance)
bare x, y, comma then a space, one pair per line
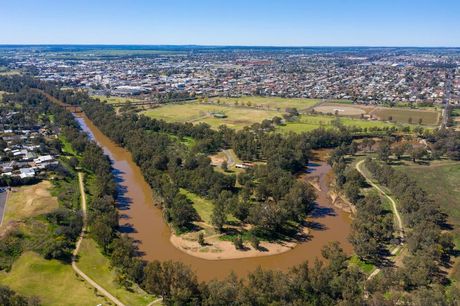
272, 103
342, 109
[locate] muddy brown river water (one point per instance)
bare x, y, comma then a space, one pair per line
144, 222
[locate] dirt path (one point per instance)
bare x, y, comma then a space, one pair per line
77, 248
395, 212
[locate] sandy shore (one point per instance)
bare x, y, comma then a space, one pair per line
216, 249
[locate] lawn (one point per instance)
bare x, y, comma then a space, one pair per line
66, 146
401, 115
29, 201
273, 103
202, 206
54, 282
237, 117
94, 264
116, 100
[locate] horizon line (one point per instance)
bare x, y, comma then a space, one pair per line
225, 45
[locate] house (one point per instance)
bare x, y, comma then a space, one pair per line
27, 172
43, 159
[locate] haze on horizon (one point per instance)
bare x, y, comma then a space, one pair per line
256, 23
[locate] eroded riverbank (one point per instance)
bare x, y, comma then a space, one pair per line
144, 222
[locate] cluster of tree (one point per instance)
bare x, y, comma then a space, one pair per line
446, 141
10, 298
371, 229
429, 246
321, 284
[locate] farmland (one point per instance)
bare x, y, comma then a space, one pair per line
398, 115
426, 117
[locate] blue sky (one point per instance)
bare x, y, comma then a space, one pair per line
232, 22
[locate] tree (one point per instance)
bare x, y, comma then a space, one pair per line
255, 242
182, 212
224, 166
384, 151
173, 281
238, 242
219, 216
201, 239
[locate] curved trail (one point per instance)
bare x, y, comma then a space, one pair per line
77, 248
395, 212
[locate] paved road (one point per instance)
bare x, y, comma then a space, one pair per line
3, 198
394, 207
230, 160
77, 248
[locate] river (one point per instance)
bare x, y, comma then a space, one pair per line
141, 220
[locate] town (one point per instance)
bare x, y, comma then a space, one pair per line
363, 75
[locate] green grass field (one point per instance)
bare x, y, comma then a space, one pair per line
401, 115
115, 100
52, 281
237, 117
272, 103
94, 264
